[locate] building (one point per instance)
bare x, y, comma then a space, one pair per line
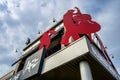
81, 59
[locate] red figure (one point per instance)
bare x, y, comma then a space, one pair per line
77, 23
45, 39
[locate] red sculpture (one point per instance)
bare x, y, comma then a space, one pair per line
77, 23
45, 40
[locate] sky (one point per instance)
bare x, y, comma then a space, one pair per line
20, 19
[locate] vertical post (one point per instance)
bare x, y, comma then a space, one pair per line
85, 71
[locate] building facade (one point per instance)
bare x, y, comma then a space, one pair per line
53, 57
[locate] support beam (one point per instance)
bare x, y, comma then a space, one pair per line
85, 71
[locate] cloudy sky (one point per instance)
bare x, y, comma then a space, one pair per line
20, 19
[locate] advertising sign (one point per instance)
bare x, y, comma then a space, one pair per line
33, 64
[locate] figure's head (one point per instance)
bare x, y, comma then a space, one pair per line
70, 11
77, 10
50, 32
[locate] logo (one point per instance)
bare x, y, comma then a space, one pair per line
31, 64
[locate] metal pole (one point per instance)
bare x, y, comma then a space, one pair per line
85, 71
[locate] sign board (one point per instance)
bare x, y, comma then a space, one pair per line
33, 64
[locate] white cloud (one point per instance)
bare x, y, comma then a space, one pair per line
109, 17
2, 14
109, 20
15, 16
6, 67
1, 57
13, 54
13, 35
47, 10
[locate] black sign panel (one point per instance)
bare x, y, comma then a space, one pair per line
33, 64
